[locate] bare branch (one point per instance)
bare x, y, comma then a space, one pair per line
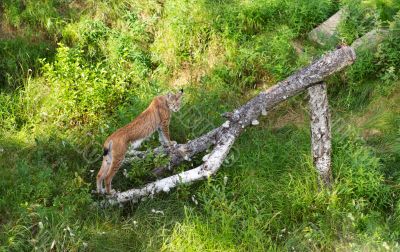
315, 73
210, 167
224, 136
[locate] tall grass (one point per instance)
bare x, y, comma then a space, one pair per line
94, 65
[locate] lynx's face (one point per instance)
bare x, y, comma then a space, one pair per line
174, 100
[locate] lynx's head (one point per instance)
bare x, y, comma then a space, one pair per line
174, 100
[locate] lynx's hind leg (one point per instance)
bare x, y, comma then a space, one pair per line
117, 156
105, 167
116, 163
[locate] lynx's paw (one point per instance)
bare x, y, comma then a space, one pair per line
111, 194
169, 144
101, 192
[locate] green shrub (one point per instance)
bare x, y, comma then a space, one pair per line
20, 60
183, 35
303, 16
387, 9
374, 73
359, 19
268, 57
388, 54
89, 92
9, 112
118, 55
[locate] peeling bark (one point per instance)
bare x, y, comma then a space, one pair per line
224, 136
320, 132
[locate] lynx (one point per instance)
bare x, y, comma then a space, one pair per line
155, 118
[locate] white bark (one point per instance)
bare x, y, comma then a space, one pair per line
320, 132
208, 168
224, 136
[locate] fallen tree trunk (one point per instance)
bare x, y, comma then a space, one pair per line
209, 167
308, 76
177, 153
224, 136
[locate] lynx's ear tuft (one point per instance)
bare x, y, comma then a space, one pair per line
181, 91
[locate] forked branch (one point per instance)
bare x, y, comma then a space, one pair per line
224, 136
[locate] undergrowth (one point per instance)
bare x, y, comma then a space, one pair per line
72, 72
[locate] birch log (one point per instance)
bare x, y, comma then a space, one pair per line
208, 168
178, 152
320, 132
223, 137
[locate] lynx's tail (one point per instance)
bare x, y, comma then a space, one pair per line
107, 153
107, 150
105, 166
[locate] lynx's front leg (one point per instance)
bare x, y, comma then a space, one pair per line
162, 138
164, 133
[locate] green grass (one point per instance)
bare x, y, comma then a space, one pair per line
74, 71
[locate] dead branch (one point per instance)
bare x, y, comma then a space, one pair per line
224, 136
